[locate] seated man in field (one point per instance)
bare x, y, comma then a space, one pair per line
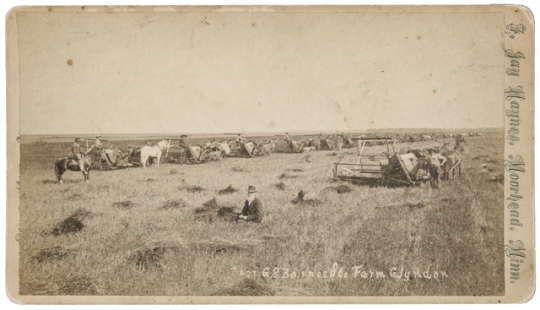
436, 160
253, 207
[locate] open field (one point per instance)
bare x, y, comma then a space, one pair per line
146, 232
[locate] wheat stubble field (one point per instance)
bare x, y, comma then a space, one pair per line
167, 230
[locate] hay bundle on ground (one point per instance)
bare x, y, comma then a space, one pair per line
497, 178
67, 226
295, 169
72, 224
75, 197
150, 180
246, 287
274, 237
54, 253
287, 176
126, 205
211, 211
80, 285
174, 204
304, 199
218, 245
193, 189
173, 171
227, 214
410, 204
281, 186
82, 214
150, 254
228, 190
341, 189
239, 169
306, 158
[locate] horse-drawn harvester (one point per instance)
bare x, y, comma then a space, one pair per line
108, 158
384, 168
295, 147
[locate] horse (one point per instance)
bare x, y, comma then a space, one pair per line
453, 163
68, 163
153, 151
266, 148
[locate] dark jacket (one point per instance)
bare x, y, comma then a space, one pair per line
253, 210
183, 143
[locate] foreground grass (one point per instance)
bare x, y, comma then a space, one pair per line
131, 245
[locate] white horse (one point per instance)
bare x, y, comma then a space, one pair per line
153, 151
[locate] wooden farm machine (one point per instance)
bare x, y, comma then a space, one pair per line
386, 168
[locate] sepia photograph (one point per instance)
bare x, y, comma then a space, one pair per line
270, 154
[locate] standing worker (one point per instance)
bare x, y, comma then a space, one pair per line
100, 151
288, 142
183, 143
436, 161
287, 138
98, 144
239, 140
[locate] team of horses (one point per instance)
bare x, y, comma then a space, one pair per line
214, 151
454, 160
64, 164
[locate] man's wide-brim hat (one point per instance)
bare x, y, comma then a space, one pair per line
252, 189
183, 136
77, 139
98, 136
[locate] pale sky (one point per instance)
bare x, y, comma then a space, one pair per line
256, 72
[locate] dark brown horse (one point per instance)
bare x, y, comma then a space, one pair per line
67, 163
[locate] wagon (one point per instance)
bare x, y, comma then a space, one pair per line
384, 168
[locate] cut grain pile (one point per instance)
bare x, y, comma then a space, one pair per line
126, 205
75, 197
239, 169
150, 254
173, 171
228, 190
218, 245
72, 224
150, 180
340, 189
174, 204
80, 285
281, 186
287, 176
306, 158
211, 211
410, 204
302, 199
246, 287
499, 178
192, 189
295, 169
54, 253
